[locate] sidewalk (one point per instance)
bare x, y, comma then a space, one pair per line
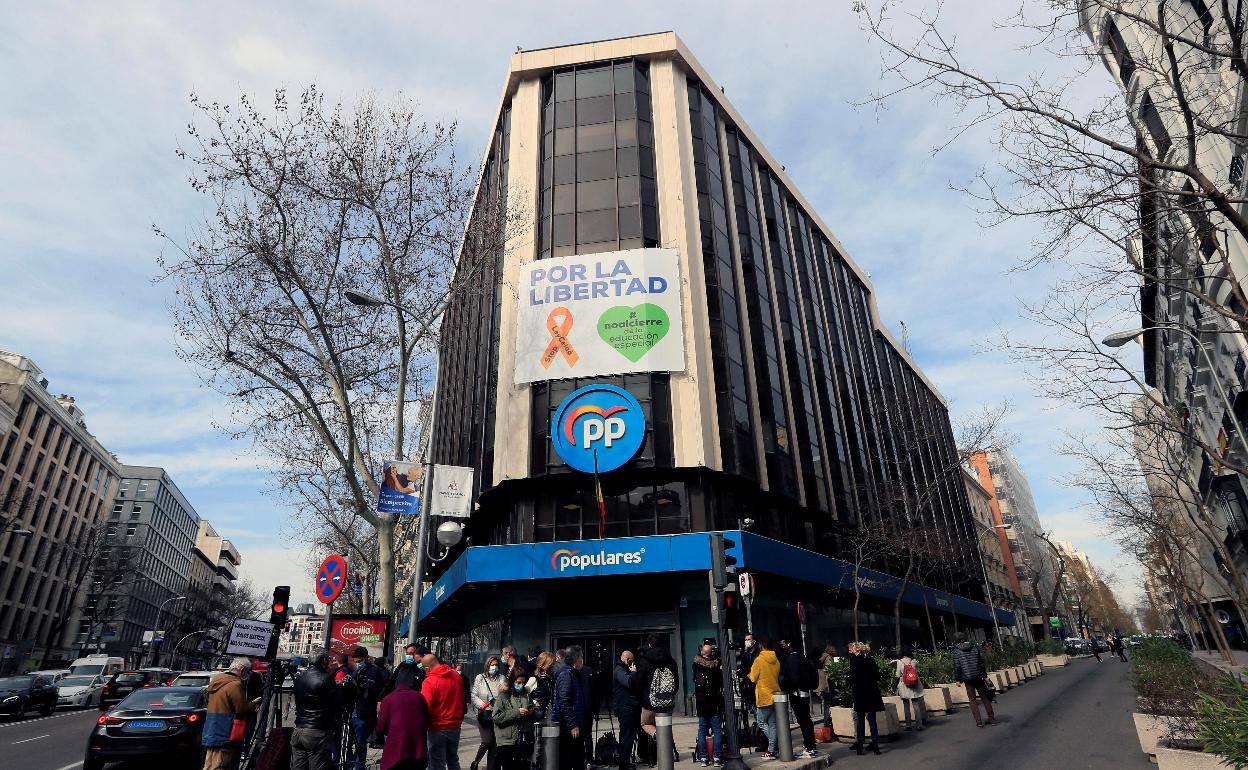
1218, 662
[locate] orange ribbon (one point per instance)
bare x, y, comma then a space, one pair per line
559, 342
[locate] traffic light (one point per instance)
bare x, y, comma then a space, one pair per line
281, 607
721, 560
730, 611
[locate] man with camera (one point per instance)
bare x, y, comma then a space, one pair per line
317, 715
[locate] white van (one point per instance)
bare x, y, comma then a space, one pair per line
97, 665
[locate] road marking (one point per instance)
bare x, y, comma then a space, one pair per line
28, 740
71, 767
57, 715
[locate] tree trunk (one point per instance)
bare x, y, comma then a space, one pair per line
385, 558
857, 595
905, 581
927, 611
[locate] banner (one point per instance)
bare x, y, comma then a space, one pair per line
400, 488
599, 314
346, 632
452, 491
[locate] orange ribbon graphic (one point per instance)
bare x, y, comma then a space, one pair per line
559, 343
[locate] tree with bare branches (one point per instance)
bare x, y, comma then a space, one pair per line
312, 207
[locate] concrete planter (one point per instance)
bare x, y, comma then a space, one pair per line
999, 679
957, 694
1036, 668
1053, 661
1149, 729
1020, 674
937, 699
886, 720
1181, 759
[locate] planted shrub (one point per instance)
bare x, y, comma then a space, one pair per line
935, 667
1050, 647
1168, 684
1222, 724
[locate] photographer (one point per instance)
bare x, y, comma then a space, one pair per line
317, 716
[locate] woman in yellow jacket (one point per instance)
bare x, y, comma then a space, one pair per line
765, 674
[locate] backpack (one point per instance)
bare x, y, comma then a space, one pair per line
909, 677
660, 695
701, 682
758, 739
647, 749
607, 750
807, 675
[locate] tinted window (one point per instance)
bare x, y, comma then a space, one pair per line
162, 698
15, 682
130, 678
77, 681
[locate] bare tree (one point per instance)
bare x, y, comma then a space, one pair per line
75, 562
307, 202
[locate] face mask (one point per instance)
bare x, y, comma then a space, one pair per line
420, 666
518, 687
359, 666
749, 644
493, 670
409, 659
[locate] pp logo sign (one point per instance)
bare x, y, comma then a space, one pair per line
598, 421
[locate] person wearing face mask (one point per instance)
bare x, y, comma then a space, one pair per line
410, 671
368, 685
513, 722
627, 703
708, 698
745, 661
484, 689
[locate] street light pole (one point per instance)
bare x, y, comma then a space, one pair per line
159, 612
983, 565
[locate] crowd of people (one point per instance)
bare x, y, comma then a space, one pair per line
343, 704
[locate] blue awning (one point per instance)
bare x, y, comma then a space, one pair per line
677, 553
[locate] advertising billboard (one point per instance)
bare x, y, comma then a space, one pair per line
372, 632
400, 488
599, 314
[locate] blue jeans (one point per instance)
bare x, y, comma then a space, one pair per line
715, 723
358, 750
767, 721
443, 749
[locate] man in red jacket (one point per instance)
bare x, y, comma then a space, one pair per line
443, 689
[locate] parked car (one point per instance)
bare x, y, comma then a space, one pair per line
53, 674
28, 692
80, 691
125, 682
195, 678
104, 665
161, 723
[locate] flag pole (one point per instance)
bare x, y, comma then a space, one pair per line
602, 504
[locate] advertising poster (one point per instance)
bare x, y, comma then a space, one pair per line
400, 489
346, 632
599, 314
452, 491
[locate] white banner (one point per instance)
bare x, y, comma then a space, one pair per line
599, 314
249, 638
452, 491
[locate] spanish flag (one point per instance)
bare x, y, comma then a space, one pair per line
602, 504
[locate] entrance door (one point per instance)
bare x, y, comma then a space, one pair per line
601, 653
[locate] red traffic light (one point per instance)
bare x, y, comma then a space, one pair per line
279, 607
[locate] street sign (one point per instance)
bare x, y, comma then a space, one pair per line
745, 582
598, 428
331, 578
249, 638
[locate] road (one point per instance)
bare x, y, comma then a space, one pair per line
57, 742
1074, 717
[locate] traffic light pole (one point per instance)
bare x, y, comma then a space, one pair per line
719, 581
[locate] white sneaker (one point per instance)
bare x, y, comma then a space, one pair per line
811, 754
706, 763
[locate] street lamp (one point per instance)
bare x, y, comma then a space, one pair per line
983, 565
183, 639
159, 612
363, 298
1120, 338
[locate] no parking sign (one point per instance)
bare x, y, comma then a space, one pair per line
331, 578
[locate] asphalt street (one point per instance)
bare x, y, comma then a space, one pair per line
1075, 717
57, 742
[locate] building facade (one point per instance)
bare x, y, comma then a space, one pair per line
303, 637
796, 418
55, 483
995, 552
1193, 266
1036, 566
151, 527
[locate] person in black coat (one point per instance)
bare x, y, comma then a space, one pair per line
627, 704
864, 684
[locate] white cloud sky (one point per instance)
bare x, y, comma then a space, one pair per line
97, 99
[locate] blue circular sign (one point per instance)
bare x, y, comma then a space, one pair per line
600, 420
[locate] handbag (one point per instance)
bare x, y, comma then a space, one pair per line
238, 730
607, 748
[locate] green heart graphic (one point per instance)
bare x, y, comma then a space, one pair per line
634, 330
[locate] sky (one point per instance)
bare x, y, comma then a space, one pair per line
97, 101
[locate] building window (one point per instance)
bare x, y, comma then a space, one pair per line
1153, 123
123, 488
8, 448
142, 488
1118, 49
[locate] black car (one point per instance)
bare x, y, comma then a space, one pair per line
125, 682
19, 694
154, 722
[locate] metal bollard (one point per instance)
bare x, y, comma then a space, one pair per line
784, 731
550, 746
664, 742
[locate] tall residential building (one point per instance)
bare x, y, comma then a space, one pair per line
788, 415
225, 560
997, 558
153, 527
1186, 252
303, 636
1035, 564
55, 483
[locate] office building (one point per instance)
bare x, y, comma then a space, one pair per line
995, 552
55, 483
752, 389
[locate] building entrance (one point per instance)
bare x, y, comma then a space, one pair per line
602, 651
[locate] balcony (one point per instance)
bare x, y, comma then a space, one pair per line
223, 583
230, 553
227, 568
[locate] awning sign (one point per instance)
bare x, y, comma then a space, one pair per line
599, 314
